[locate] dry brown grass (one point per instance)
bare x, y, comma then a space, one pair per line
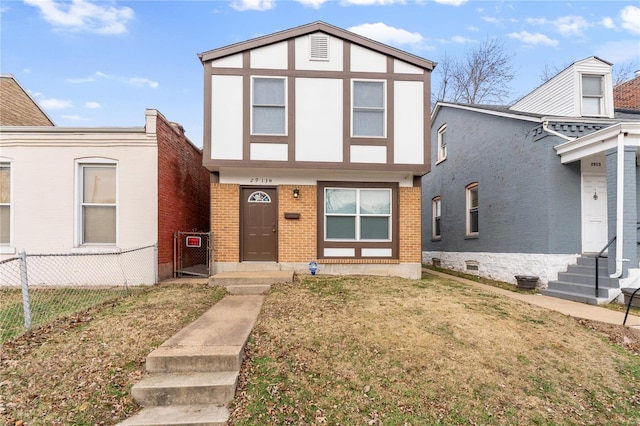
79, 370
363, 350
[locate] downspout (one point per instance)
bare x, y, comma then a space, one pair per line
545, 127
619, 206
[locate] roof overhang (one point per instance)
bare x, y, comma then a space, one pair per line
599, 141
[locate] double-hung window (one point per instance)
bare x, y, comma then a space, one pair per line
472, 210
269, 106
442, 144
5, 204
437, 213
357, 214
98, 203
592, 95
368, 118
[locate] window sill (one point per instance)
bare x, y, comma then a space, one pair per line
7, 250
441, 161
436, 239
472, 237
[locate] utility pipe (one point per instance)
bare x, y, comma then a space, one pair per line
545, 127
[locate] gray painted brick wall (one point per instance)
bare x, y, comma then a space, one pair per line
528, 201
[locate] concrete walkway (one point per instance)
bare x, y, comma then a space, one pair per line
567, 307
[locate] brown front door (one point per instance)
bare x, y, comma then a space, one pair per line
259, 224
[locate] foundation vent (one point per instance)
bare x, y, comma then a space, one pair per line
472, 266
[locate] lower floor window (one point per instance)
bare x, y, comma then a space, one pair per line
357, 214
98, 203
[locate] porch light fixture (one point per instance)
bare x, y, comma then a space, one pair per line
296, 193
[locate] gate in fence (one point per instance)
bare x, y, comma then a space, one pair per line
191, 254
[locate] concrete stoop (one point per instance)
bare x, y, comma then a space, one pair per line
250, 282
194, 374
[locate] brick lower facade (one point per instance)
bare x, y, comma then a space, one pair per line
225, 222
410, 225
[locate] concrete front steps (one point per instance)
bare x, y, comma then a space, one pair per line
193, 375
578, 283
250, 282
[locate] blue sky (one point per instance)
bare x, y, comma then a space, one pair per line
101, 63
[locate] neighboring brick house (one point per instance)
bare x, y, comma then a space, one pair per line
316, 139
527, 189
100, 189
626, 96
17, 107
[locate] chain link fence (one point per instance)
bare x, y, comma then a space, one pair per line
36, 289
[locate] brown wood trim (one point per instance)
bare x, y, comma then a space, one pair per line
364, 260
206, 140
246, 108
291, 101
414, 169
346, 103
268, 139
319, 73
369, 141
390, 111
427, 121
394, 244
309, 29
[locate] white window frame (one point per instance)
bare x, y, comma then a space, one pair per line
436, 209
79, 216
600, 97
471, 209
8, 248
384, 107
284, 107
442, 145
358, 215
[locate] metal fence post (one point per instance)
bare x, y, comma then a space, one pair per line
26, 306
155, 263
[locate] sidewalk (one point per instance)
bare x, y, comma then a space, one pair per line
567, 307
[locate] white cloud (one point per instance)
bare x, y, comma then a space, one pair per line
491, 19
452, 2
631, 19
472, 28
131, 81
81, 15
619, 51
571, 25
261, 5
608, 23
373, 2
74, 118
139, 82
52, 103
386, 34
533, 39
314, 4
92, 105
536, 21
461, 40
79, 80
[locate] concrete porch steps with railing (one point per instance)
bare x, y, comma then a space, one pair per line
578, 283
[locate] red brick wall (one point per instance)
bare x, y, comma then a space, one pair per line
183, 190
627, 95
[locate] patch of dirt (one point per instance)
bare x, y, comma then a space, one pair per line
627, 337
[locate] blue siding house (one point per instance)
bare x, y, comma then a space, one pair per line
538, 188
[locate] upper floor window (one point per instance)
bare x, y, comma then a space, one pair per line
472, 210
436, 214
368, 116
357, 214
592, 95
97, 207
5, 204
442, 143
269, 106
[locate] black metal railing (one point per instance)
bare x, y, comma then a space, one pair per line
599, 256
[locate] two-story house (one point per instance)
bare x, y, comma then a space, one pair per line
316, 139
531, 188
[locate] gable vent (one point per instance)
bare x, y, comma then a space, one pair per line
319, 47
